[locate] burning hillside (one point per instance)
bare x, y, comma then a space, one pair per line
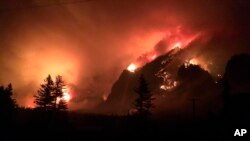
163, 78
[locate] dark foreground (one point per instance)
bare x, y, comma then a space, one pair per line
40, 125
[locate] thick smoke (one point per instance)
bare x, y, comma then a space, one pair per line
91, 42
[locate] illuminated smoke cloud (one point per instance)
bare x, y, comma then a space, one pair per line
174, 38
90, 43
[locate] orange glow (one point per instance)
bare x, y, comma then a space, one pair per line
66, 96
177, 45
104, 97
30, 103
153, 57
184, 41
196, 61
146, 42
132, 67
193, 61
163, 87
50, 60
174, 38
169, 86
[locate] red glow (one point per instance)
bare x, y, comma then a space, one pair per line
177, 45
193, 61
198, 61
175, 38
30, 103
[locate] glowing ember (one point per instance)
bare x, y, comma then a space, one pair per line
132, 68
163, 87
104, 97
175, 83
168, 87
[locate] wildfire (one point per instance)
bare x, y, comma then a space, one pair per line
132, 67
175, 38
177, 45
153, 57
66, 95
163, 87
169, 85
196, 61
193, 61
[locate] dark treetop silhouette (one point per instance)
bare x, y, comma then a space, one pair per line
49, 96
7, 103
143, 103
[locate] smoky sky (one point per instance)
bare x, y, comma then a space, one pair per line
91, 42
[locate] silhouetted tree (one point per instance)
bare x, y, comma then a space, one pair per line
50, 95
143, 103
7, 107
59, 102
7, 103
44, 98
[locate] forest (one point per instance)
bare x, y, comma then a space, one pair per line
51, 118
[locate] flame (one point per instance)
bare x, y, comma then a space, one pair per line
163, 87
193, 61
169, 86
177, 45
66, 96
153, 57
197, 61
174, 38
132, 67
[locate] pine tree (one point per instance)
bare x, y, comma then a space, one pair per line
50, 95
7, 106
58, 92
44, 98
7, 103
143, 103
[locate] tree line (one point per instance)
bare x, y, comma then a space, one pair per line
49, 96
